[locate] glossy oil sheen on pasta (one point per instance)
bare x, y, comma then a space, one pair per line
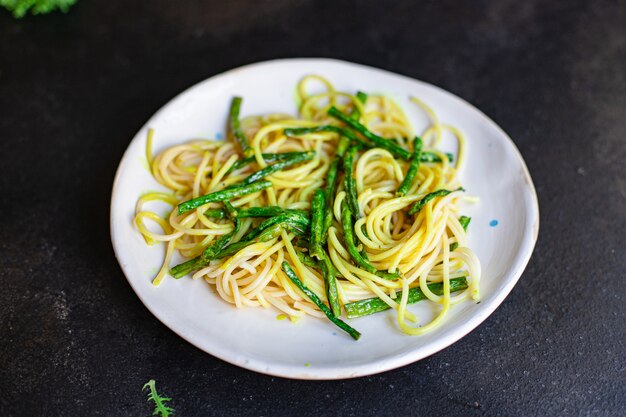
427, 247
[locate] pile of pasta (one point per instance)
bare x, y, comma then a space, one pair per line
377, 233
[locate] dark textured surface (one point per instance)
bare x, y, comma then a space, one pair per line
76, 341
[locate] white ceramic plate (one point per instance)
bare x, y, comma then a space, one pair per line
315, 349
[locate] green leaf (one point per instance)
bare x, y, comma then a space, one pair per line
20, 8
160, 408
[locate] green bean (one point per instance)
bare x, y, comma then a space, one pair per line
270, 169
354, 139
331, 184
266, 235
317, 223
220, 243
316, 300
300, 131
381, 142
235, 126
301, 241
227, 194
346, 137
210, 251
413, 168
428, 156
230, 209
362, 97
203, 260
465, 221
374, 305
184, 268
267, 157
330, 283
357, 257
216, 213
293, 221
308, 260
350, 183
421, 203
267, 211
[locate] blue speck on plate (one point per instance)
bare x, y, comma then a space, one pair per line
493, 223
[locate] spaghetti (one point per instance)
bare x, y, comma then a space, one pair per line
338, 210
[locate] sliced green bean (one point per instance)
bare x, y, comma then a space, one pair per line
330, 283
184, 268
301, 241
357, 257
350, 182
268, 211
414, 166
362, 97
316, 300
204, 259
346, 136
308, 260
280, 165
211, 251
216, 213
331, 184
230, 209
464, 221
421, 203
374, 305
265, 235
317, 223
381, 142
300, 131
227, 194
293, 221
235, 126
428, 156
267, 157
354, 139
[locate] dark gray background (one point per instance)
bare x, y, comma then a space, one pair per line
74, 89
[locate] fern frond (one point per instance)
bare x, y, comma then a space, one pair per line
160, 408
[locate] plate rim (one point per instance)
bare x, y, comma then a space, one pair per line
379, 365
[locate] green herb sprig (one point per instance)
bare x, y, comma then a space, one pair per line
20, 8
161, 409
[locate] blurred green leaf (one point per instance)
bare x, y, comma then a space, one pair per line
20, 8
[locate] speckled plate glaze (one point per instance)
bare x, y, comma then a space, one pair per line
503, 231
